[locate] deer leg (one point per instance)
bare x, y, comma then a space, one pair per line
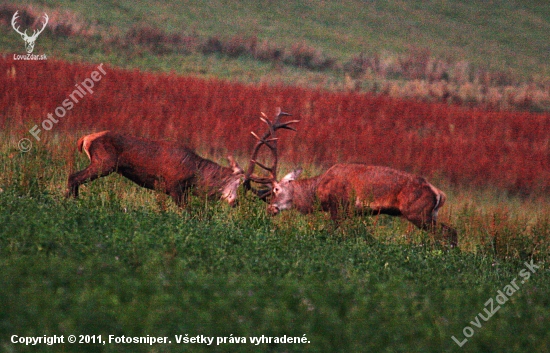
332, 206
421, 222
450, 234
91, 173
430, 225
179, 196
334, 214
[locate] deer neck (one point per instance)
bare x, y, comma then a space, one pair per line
304, 194
212, 176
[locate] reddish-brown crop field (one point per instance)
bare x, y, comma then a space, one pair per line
508, 150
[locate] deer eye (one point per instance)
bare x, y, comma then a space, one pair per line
276, 190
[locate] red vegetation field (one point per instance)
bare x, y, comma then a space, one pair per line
509, 150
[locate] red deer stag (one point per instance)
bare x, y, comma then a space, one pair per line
367, 189
161, 165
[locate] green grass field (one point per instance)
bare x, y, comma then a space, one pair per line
125, 261
122, 260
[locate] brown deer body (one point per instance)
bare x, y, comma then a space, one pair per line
160, 165
364, 189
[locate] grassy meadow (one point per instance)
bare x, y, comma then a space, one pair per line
122, 260
98, 270
125, 261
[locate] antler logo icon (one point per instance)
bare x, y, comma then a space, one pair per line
29, 40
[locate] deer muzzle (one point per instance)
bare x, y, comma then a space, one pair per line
273, 210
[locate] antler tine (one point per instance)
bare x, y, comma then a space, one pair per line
44, 23
256, 136
14, 23
286, 123
277, 124
279, 113
269, 169
263, 140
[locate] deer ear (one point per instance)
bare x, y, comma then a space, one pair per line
292, 175
234, 165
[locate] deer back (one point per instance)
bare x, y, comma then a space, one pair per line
149, 162
373, 187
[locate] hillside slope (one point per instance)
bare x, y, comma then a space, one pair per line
501, 34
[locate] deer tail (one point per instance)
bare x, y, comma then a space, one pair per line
80, 143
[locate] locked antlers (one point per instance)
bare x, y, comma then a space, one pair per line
269, 140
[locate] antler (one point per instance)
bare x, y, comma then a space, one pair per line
34, 33
43, 27
269, 140
13, 23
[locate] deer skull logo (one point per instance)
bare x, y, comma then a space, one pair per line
29, 40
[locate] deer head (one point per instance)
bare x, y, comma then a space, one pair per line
283, 193
229, 190
29, 40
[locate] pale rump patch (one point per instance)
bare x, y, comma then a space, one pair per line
88, 139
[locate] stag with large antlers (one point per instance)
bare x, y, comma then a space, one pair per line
29, 40
362, 189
